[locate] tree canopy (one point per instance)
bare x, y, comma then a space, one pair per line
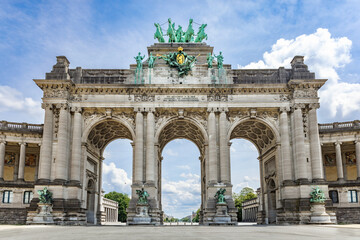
123, 200
245, 194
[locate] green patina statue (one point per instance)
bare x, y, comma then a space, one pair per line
139, 59
201, 35
45, 196
171, 31
151, 60
317, 195
143, 195
179, 35
220, 195
159, 34
180, 60
189, 34
209, 60
220, 60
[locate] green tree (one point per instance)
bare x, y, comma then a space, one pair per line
123, 200
245, 194
197, 216
185, 219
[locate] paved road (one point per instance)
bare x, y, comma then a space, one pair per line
180, 232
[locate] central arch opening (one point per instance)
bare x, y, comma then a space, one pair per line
181, 185
182, 170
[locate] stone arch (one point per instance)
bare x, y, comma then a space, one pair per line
258, 131
186, 128
97, 121
104, 131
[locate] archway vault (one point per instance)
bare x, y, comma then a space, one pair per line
106, 131
258, 132
181, 128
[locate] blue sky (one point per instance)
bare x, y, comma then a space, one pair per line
108, 34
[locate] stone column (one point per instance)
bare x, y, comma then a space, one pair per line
224, 148
357, 155
285, 146
46, 145
22, 161
315, 147
2, 159
139, 147
61, 161
76, 147
339, 166
150, 148
212, 147
300, 159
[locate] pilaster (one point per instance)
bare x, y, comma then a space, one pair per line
300, 159
287, 164
76, 146
224, 148
212, 147
46, 145
357, 154
61, 162
22, 161
139, 147
339, 165
315, 147
2, 159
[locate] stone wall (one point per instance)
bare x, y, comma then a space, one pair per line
13, 215
348, 215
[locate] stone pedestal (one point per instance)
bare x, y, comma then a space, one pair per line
142, 217
44, 215
221, 216
318, 214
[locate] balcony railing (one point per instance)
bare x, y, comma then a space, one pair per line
20, 127
340, 126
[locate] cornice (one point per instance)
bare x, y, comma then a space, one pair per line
306, 83
104, 89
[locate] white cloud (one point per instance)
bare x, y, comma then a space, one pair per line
13, 101
180, 198
324, 55
107, 154
170, 152
117, 177
185, 167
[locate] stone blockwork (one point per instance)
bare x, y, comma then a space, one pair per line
348, 215
13, 215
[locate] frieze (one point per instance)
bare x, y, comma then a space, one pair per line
181, 98
144, 98
217, 98
305, 93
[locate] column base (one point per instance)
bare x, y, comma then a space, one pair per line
289, 183
319, 181
74, 183
59, 181
20, 180
342, 180
42, 181
1, 179
302, 181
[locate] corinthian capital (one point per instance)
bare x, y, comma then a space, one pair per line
47, 106
314, 105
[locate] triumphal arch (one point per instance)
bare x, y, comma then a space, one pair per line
181, 90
